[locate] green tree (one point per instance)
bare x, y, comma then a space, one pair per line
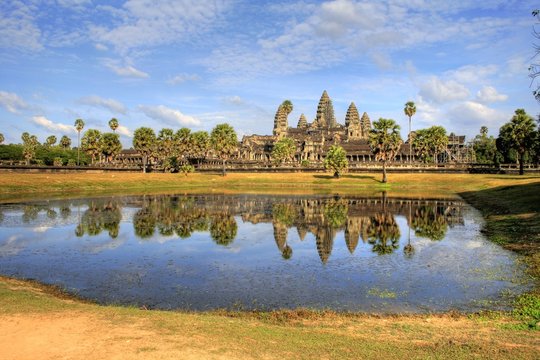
484, 147
283, 151
144, 141
200, 144
420, 143
519, 134
30, 144
410, 110
224, 142
79, 125
110, 146
336, 160
91, 143
183, 143
438, 140
385, 141
113, 124
165, 145
1, 138
50, 141
65, 142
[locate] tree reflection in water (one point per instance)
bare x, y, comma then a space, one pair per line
372, 220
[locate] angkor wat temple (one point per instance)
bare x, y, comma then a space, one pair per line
313, 139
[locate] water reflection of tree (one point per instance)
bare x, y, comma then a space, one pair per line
430, 222
383, 233
144, 223
100, 215
223, 228
284, 215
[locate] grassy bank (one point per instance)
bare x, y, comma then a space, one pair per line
37, 322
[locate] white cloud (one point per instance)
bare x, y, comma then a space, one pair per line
181, 78
146, 24
168, 115
111, 104
489, 94
439, 91
235, 100
18, 29
101, 47
49, 125
472, 73
122, 130
471, 115
127, 71
12, 102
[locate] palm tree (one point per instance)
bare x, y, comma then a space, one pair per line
91, 143
438, 140
79, 125
113, 124
384, 141
200, 142
1, 138
518, 134
50, 141
410, 110
224, 142
65, 142
144, 141
110, 146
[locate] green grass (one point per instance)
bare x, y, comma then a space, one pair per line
510, 205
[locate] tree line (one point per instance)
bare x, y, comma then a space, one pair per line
173, 151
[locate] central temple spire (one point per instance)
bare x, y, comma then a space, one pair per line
325, 113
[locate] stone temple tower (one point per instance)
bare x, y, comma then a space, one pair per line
365, 124
352, 123
302, 122
325, 113
280, 122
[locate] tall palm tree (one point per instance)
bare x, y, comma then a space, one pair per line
1, 138
144, 141
410, 110
224, 142
79, 125
385, 141
518, 134
113, 124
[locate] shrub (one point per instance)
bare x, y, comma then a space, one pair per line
58, 161
186, 169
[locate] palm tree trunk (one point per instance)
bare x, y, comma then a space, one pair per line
223, 172
384, 172
521, 160
78, 147
145, 159
410, 142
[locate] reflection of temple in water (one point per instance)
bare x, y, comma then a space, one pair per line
371, 220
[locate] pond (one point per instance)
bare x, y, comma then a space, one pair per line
198, 252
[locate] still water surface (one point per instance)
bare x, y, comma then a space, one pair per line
261, 252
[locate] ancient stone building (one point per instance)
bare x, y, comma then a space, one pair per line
314, 139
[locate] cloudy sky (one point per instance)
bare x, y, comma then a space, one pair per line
198, 63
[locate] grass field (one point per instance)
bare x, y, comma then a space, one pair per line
39, 322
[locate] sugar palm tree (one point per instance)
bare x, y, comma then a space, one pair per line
144, 141
113, 124
1, 138
410, 110
224, 142
385, 141
79, 125
65, 142
519, 134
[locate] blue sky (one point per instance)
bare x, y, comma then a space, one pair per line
198, 63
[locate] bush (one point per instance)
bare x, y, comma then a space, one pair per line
186, 169
58, 161
304, 163
72, 162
